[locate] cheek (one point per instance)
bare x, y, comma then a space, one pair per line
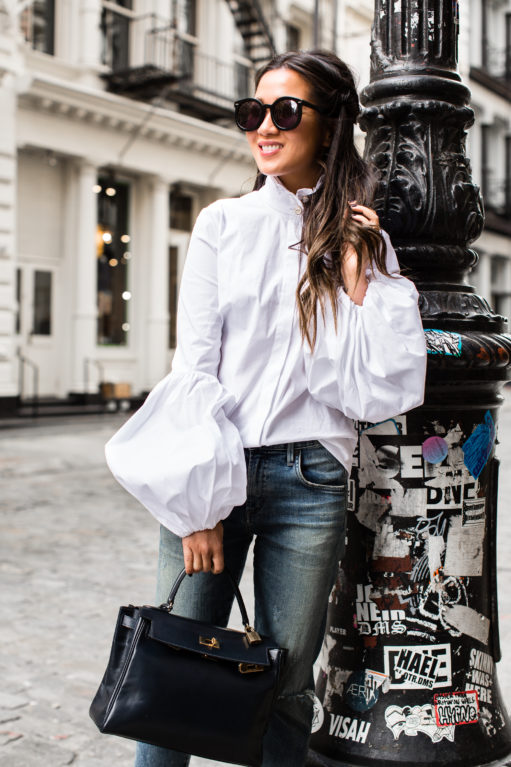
309, 145
252, 143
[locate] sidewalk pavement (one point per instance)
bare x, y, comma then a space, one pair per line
73, 547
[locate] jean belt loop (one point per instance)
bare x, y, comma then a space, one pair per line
290, 453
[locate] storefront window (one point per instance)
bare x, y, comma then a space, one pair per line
18, 302
173, 255
113, 256
181, 209
41, 323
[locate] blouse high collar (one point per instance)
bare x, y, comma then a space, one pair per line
280, 198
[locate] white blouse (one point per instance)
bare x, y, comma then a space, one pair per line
241, 376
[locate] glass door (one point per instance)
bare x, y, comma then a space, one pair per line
35, 327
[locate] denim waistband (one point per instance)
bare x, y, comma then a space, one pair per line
284, 446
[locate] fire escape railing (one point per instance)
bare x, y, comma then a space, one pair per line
148, 57
254, 30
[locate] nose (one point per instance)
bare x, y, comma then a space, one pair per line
267, 125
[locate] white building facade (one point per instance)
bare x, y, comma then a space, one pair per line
117, 129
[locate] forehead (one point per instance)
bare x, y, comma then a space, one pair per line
282, 82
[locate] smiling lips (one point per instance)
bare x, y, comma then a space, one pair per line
269, 149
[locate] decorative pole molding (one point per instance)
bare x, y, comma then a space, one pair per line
408, 674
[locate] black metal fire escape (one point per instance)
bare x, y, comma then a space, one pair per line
174, 68
252, 26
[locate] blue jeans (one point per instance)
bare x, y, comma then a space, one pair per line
296, 501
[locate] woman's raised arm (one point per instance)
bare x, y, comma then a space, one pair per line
374, 366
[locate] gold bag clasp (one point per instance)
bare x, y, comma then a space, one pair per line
251, 636
249, 668
211, 642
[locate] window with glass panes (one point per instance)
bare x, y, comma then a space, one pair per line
41, 318
116, 17
173, 292
113, 256
37, 24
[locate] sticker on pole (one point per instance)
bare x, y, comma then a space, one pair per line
453, 708
318, 716
443, 342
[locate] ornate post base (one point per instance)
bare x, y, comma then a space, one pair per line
408, 664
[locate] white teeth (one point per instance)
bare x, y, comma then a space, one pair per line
270, 148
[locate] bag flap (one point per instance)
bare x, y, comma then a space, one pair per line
186, 634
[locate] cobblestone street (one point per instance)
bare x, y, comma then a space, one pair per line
74, 546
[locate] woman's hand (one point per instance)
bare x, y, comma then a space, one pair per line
356, 288
364, 215
203, 551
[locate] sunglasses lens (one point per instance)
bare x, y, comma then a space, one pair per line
286, 114
248, 115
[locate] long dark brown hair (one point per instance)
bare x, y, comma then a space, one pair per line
327, 224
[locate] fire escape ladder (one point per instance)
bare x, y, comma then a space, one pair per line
252, 26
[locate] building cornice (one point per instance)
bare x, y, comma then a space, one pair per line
493, 84
116, 113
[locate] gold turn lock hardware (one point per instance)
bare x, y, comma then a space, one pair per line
251, 636
249, 668
211, 642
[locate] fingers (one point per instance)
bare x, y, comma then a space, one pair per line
218, 561
188, 559
193, 559
203, 551
364, 215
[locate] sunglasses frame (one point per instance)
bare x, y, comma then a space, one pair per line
300, 103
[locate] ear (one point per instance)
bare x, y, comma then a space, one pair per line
327, 136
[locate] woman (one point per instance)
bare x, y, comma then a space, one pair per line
293, 320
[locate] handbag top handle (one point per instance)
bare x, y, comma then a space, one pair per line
251, 635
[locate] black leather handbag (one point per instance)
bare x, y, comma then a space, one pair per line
187, 685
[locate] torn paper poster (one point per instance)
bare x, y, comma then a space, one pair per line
468, 621
465, 549
409, 502
435, 546
388, 544
371, 507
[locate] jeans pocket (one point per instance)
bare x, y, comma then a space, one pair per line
317, 468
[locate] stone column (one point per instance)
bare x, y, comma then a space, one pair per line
158, 283
90, 37
84, 277
8, 172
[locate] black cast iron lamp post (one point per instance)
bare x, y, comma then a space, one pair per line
408, 661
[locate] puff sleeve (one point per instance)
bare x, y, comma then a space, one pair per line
373, 367
179, 454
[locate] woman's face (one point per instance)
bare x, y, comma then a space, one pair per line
291, 155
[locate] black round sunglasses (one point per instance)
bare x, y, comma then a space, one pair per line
286, 112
